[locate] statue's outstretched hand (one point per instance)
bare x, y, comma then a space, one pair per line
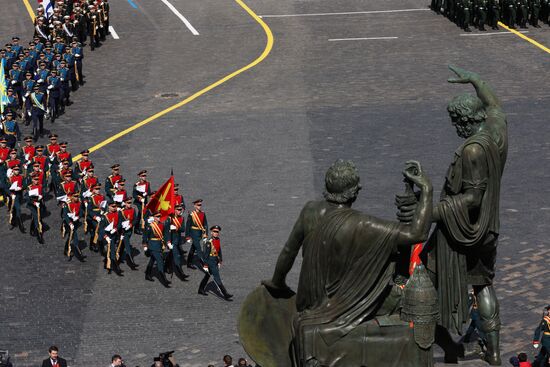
463, 76
414, 173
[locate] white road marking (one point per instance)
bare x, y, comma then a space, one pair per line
488, 34
342, 13
182, 18
113, 33
361, 39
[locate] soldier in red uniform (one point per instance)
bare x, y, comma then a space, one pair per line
110, 181
83, 164
63, 154
178, 198
68, 186
120, 195
4, 154
12, 161
127, 218
27, 151
141, 193
15, 188
41, 158
72, 218
35, 201
51, 150
109, 229
95, 208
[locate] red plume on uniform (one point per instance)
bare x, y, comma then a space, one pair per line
163, 200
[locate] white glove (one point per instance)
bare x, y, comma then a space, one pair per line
27, 94
29, 113
150, 220
71, 225
170, 246
142, 200
40, 80
76, 219
113, 231
86, 204
122, 237
107, 239
26, 157
172, 227
97, 219
39, 197
77, 55
50, 86
189, 241
62, 79
37, 204
535, 345
17, 189
13, 81
144, 248
13, 196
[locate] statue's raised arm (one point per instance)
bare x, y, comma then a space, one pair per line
483, 89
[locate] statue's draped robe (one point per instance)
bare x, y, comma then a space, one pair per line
463, 249
346, 269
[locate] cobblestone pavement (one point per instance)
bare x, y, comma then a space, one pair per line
256, 149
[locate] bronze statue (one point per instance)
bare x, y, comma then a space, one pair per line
347, 309
462, 249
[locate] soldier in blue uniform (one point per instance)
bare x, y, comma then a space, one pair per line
78, 52
59, 46
211, 256
36, 107
542, 337
54, 94
155, 239
10, 130
15, 46
42, 73
65, 90
16, 77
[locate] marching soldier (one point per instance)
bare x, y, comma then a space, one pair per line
78, 52
494, 13
141, 193
72, 214
27, 151
109, 229
54, 94
64, 87
534, 7
120, 195
12, 161
542, 336
127, 219
93, 27
42, 160
95, 208
545, 11
34, 198
68, 187
36, 108
155, 239
83, 164
211, 255
195, 231
110, 181
481, 13
523, 12
174, 259
15, 188
11, 130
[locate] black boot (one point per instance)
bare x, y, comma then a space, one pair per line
180, 274
492, 354
165, 282
225, 293
20, 225
116, 268
204, 281
148, 271
131, 262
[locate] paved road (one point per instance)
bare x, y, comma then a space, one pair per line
256, 148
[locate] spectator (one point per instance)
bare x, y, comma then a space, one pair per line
116, 361
523, 362
514, 361
54, 360
227, 361
243, 363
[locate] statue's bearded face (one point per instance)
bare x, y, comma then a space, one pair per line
464, 126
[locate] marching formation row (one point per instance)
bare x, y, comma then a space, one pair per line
34, 174
481, 12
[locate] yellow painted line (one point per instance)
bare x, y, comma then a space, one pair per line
521, 35
265, 53
29, 9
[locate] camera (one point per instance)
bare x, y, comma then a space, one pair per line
5, 359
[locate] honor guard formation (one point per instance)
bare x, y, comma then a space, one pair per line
38, 80
34, 175
479, 13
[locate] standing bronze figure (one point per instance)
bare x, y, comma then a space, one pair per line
462, 250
